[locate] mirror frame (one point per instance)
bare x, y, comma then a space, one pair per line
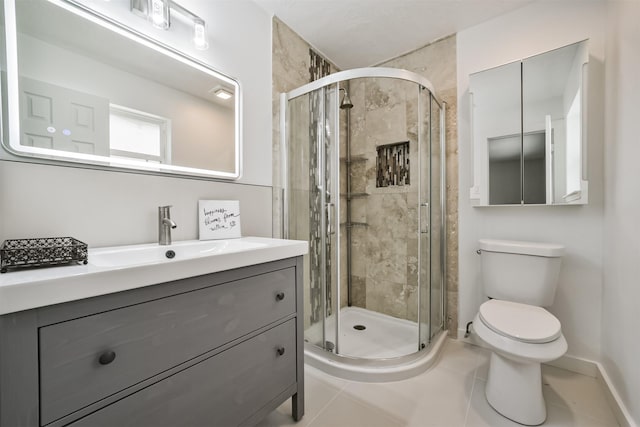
477, 193
50, 156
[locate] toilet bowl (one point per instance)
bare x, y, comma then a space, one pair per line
520, 333
521, 338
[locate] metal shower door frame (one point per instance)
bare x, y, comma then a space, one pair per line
323, 83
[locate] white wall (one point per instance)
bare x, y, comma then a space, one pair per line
621, 296
528, 31
108, 208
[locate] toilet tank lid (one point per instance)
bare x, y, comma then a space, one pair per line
520, 247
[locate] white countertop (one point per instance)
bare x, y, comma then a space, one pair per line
31, 288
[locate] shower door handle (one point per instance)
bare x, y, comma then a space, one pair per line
424, 230
330, 229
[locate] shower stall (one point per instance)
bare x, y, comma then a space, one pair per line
363, 164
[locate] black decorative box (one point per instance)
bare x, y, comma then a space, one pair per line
22, 253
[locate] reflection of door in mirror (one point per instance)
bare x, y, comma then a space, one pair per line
517, 172
505, 186
534, 177
63, 119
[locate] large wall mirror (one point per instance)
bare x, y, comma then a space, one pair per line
528, 130
77, 86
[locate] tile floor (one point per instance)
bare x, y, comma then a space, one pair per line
450, 394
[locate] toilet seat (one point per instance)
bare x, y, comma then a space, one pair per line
521, 322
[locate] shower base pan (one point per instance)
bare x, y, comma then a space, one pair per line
373, 347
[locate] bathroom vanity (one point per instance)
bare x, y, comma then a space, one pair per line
221, 348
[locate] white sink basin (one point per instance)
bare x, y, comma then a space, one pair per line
121, 268
125, 256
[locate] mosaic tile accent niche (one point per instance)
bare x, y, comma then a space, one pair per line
392, 164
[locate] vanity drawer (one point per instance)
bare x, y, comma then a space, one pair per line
77, 364
223, 390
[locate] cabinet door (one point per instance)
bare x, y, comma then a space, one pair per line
223, 390
87, 359
497, 134
527, 124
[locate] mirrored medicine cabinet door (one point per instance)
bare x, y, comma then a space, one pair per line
528, 130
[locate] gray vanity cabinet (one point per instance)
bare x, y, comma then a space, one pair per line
222, 349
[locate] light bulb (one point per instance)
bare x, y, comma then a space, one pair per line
159, 14
200, 34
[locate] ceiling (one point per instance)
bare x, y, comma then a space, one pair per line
360, 33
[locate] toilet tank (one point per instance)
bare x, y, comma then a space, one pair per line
525, 272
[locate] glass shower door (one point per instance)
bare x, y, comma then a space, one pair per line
424, 218
327, 185
431, 219
436, 216
300, 193
313, 203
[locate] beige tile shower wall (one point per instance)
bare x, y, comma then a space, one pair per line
437, 62
290, 70
384, 252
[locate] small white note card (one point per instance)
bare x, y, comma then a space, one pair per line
219, 219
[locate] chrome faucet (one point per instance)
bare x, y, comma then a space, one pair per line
165, 224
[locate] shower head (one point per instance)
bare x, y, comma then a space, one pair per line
345, 104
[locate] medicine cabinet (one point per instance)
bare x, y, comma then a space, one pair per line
528, 130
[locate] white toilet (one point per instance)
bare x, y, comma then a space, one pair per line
521, 278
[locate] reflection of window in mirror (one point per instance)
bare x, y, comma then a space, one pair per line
139, 135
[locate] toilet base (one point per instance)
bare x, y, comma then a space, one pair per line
514, 389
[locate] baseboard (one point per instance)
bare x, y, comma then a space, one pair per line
615, 402
577, 365
580, 366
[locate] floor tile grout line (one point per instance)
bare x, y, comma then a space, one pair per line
325, 407
364, 404
473, 386
582, 413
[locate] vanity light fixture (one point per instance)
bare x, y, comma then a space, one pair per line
158, 12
